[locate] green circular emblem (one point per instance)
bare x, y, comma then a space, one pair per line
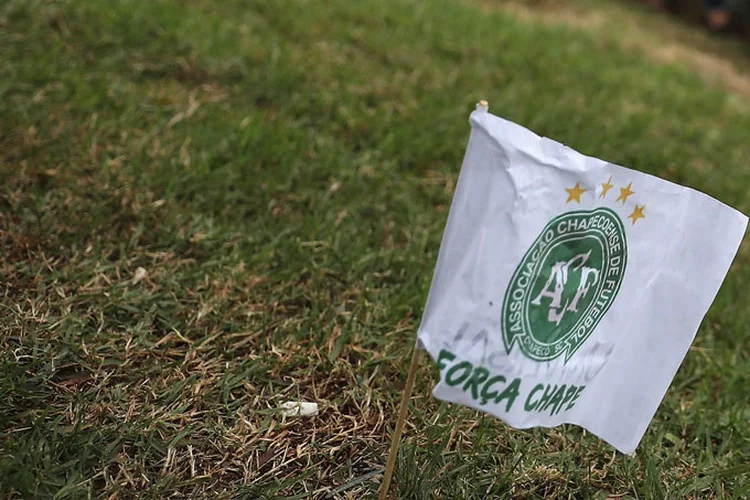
565, 284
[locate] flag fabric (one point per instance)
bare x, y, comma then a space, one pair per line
569, 289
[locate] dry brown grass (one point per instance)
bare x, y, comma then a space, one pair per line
661, 39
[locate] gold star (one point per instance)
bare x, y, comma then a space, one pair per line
637, 213
606, 186
624, 193
574, 193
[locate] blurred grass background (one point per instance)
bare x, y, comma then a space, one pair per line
212, 207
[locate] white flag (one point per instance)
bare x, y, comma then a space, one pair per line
569, 289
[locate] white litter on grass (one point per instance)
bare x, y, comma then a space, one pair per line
140, 275
299, 409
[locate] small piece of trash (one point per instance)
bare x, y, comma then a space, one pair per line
139, 275
299, 409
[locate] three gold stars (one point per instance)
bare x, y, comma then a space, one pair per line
574, 193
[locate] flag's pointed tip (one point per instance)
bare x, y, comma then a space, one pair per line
483, 106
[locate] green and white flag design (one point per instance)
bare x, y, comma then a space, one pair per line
569, 289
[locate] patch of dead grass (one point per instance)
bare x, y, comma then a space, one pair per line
659, 38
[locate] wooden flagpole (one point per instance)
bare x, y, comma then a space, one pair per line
403, 409
396, 437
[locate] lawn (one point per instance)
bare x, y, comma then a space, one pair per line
212, 207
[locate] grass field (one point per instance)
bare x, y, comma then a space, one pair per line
210, 207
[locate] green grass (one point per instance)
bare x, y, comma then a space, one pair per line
282, 172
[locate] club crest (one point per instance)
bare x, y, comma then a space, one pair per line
565, 283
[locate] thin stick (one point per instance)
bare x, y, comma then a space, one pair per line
396, 437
